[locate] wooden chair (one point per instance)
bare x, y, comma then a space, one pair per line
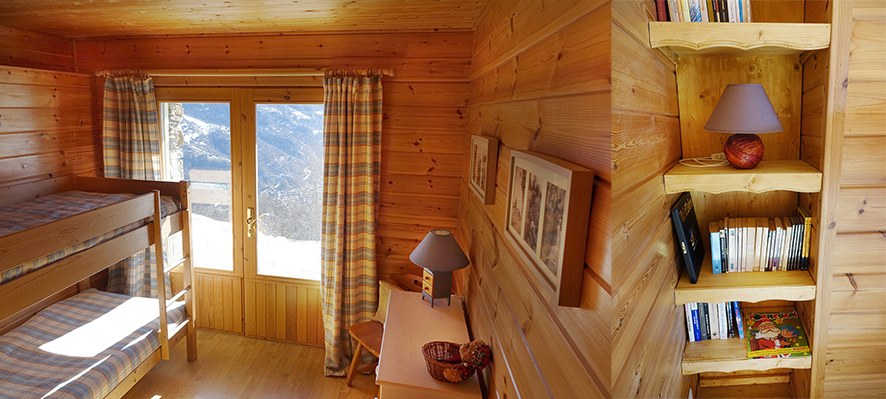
368, 334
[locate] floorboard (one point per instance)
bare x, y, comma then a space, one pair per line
233, 366
760, 391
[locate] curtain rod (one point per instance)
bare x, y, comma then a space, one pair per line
319, 72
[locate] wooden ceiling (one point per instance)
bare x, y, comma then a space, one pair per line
92, 19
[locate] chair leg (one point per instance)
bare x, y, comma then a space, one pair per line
354, 361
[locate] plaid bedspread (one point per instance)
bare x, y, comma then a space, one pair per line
80, 347
57, 206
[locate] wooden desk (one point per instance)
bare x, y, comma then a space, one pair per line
409, 324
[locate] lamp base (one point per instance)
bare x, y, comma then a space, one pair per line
743, 151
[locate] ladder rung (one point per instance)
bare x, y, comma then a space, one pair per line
177, 296
177, 264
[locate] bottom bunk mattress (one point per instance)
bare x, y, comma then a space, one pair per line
81, 347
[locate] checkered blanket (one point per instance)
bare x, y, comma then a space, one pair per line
53, 207
80, 347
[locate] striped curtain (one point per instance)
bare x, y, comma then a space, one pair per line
131, 142
352, 104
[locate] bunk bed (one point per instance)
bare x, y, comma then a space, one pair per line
58, 336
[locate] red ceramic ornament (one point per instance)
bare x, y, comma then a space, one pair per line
744, 151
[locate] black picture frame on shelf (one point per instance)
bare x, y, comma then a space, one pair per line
688, 235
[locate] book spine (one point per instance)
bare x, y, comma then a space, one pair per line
684, 10
730, 321
740, 10
715, 247
786, 248
673, 10
732, 14
764, 244
714, 320
696, 326
807, 236
724, 14
724, 321
738, 319
730, 245
689, 328
662, 12
703, 4
798, 241
750, 232
709, 4
703, 321
748, 11
724, 266
694, 10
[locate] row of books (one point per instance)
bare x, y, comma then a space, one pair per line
706, 321
704, 10
761, 244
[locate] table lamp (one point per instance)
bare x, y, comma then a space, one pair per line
439, 254
744, 110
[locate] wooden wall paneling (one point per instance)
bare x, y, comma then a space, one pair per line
218, 303
860, 209
839, 14
381, 50
866, 165
506, 29
283, 311
29, 49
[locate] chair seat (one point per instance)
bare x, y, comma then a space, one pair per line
369, 334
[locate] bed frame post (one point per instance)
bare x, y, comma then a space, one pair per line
161, 277
188, 275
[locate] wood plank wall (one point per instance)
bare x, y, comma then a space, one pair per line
28, 49
423, 141
45, 126
540, 82
856, 345
648, 330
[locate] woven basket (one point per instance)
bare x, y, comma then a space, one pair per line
436, 354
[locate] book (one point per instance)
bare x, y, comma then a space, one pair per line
722, 318
740, 10
684, 11
704, 10
739, 325
673, 11
714, 231
709, 4
714, 8
688, 235
730, 244
714, 317
775, 335
707, 319
798, 241
807, 237
730, 6
779, 243
696, 328
724, 14
730, 321
773, 243
661, 10
758, 242
723, 263
703, 321
786, 248
750, 233
764, 242
688, 309
694, 10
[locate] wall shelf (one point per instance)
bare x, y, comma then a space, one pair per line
728, 355
796, 285
699, 38
796, 176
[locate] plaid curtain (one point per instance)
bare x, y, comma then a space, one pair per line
131, 141
352, 122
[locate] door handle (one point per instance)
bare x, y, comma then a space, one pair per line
251, 221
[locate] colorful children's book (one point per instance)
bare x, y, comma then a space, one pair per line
775, 335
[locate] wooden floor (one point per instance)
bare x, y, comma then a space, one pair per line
233, 366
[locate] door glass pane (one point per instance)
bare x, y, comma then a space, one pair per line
197, 147
289, 162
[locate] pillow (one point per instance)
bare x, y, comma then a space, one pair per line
384, 293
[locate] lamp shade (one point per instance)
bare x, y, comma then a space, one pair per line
439, 251
744, 108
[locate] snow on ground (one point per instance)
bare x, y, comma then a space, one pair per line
277, 256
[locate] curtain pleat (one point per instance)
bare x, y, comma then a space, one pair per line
352, 146
131, 147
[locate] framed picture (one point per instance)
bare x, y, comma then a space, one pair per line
549, 203
484, 163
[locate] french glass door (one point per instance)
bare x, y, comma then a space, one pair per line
255, 161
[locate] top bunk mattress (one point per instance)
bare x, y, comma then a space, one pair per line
81, 347
58, 206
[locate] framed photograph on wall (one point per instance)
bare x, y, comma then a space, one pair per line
484, 163
548, 210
